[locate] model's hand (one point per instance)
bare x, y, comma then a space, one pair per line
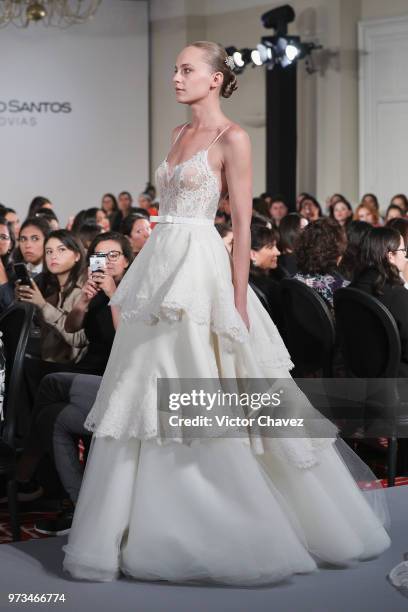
244, 315
32, 294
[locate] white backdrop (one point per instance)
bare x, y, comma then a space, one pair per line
73, 109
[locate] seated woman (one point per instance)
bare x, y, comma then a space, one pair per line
55, 294
342, 212
33, 233
310, 208
289, 229
7, 244
264, 260
355, 232
91, 312
137, 229
401, 225
366, 211
382, 259
319, 249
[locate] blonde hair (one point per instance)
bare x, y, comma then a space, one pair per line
215, 56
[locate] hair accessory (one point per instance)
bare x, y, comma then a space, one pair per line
230, 62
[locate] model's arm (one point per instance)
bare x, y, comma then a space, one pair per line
238, 172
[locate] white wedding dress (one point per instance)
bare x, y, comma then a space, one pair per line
227, 509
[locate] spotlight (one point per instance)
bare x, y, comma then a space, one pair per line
238, 59
291, 52
256, 57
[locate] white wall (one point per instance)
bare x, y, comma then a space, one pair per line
101, 69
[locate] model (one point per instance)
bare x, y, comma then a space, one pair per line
224, 509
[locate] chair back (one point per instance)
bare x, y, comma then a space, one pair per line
368, 335
15, 325
261, 296
310, 332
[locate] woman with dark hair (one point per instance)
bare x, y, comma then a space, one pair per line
355, 232
371, 200
342, 212
125, 202
401, 200
36, 204
12, 217
383, 258
91, 312
401, 225
310, 208
54, 295
289, 229
264, 260
109, 205
30, 251
94, 215
137, 230
319, 249
7, 244
393, 212
49, 215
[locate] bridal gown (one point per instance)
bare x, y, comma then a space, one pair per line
222, 509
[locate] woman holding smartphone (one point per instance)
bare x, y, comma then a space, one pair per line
91, 312
7, 244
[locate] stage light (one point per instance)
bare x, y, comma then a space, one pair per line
238, 60
291, 52
256, 57
278, 18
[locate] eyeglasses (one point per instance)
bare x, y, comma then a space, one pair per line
4, 238
111, 255
402, 251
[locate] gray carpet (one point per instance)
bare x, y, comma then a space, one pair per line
35, 567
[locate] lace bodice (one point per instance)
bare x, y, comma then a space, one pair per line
190, 189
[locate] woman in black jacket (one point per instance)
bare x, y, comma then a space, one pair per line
382, 259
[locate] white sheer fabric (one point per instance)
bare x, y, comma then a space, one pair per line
223, 510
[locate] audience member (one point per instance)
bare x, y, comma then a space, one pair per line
137, 230
36, 204
289, 229
355, 232
310, 208
319, 249
401, 225
88, 232
49, 215
92, 312
278, 209
264, 259
393, 212
371, 200
367, 212
401, 200
110, 205
125, 201
342, 211
7, 244
383, 258
12, 217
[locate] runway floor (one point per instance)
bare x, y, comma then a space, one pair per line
35, 567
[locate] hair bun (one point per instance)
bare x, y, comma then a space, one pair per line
230, 86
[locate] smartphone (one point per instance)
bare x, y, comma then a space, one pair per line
22, 274
97, 262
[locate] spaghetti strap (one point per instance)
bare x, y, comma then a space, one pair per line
219, 136
177, 137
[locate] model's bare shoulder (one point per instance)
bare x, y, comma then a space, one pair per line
236, 140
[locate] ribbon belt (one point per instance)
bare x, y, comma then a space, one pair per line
174, 219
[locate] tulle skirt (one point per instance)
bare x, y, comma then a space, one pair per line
212, 511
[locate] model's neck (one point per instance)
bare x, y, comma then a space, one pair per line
206, 115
